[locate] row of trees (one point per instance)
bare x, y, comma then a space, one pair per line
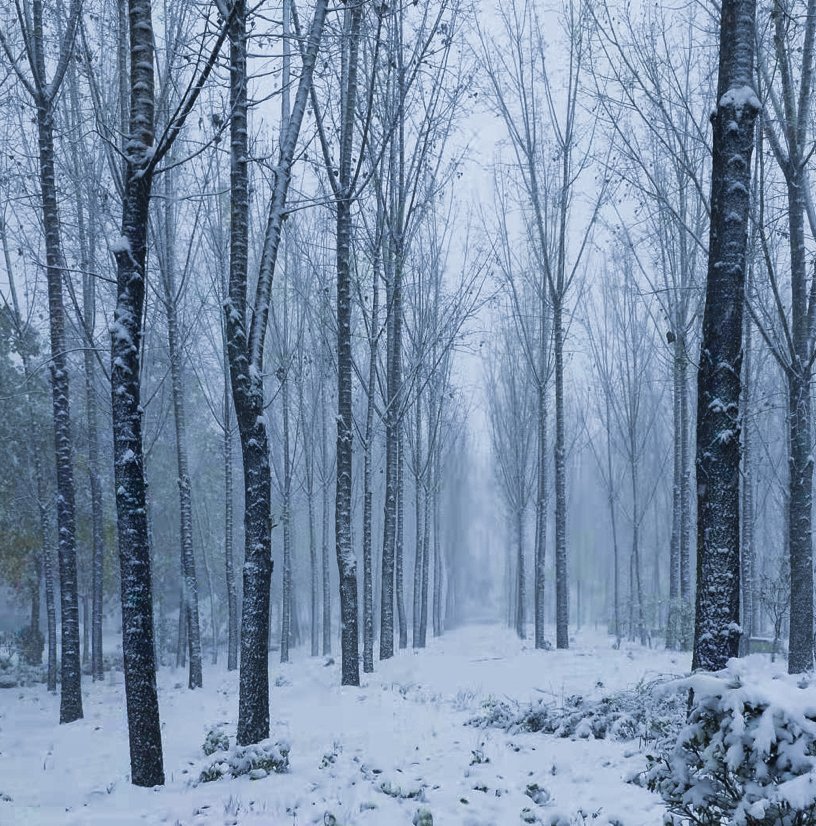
604, 189
260, 260
261, 218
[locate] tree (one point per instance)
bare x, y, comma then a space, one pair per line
44, 94
142, 155
786, 83
512, 432
522, 92
716, 632
245, 349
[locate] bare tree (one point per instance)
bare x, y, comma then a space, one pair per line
716, 633
44, 95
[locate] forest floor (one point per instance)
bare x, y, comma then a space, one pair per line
404, 730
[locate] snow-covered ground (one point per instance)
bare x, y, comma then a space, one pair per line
404, 726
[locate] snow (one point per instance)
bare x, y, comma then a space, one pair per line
739, 97
373, 755
119, 244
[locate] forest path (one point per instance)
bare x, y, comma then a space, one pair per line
403, 731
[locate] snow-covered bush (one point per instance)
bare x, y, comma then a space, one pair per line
257, 760
30, 645
422, 817
641, 712
14, 670
216, 740
747, 755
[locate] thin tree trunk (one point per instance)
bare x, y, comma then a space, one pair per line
286, 592
561, 582
437, 556
747, 549
188, 572
368, 493
324, 540
426, 545
542, 505
418, 529
521, 585
70, 688
636, 542
181, 636
390, 506
686, 594
43, 563
673, 632
232, 595
614, 524
399, 543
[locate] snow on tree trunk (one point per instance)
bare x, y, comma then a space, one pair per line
716, 633
126, 346
44, 98
346, 559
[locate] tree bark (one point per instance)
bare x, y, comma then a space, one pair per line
368, 493
126, 346
324, 536
232, 595
188, 572
716, 633
70, 670
561, 582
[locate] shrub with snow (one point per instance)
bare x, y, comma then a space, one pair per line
256, 760
747, 755
640, 712
216, 740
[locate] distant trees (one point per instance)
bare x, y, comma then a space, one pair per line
535, 112
310, 283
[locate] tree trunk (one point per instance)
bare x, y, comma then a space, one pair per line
686, 594
636, 543
188, 572
286, 585
399, 543
521, 585
50, 607
747, 549
418, 529
247, 395
43, 563
232, 595
70, 671
542, 505
181, 635
437, 557
324, 539
346, 559
426, 545
391, 449
673, 633
716, 633
314, 591
561, 582
368, 493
